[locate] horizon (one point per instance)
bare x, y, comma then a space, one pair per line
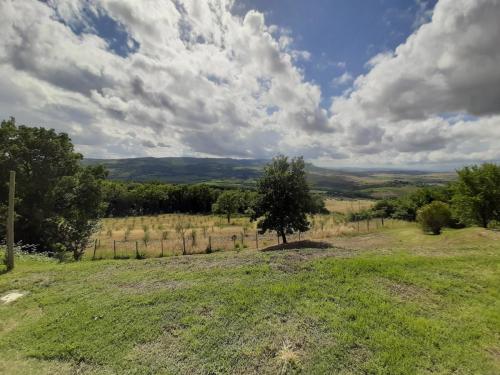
385, 85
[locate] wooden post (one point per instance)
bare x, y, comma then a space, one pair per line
242, 239
183, 244
137, 250
10, 222
95, 248
161, 242
114, 249
299, 235
210, 243
278, 236
382, 221
368, 225
257, 240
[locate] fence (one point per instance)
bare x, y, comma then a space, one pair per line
107, 248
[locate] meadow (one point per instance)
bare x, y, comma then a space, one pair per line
170, 234
392, 301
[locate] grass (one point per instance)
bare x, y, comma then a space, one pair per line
393, 301
154, 232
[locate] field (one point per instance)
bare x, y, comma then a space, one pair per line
162, 235
239, 173
393, 301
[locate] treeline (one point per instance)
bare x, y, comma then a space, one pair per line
473, 199
153, 198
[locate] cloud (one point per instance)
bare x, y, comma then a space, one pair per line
197, 79
343, 79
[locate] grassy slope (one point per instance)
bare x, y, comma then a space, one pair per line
392, 302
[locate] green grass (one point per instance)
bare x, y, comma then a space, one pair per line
416, 304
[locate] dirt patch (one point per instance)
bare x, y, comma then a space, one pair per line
12, 296
306, 244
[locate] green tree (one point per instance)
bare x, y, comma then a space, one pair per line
284, 197
434, 216
227, 204
51, 185
476, 198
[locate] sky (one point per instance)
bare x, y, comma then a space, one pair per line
345, 83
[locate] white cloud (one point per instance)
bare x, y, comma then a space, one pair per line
205, 82
343, 79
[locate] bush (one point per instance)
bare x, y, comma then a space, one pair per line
434, 216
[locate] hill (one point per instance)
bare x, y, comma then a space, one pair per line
243, 173
392, 302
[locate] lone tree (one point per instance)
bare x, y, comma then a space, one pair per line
434, 216
284, 198
227, 204
476, 198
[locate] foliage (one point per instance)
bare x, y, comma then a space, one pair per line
434, 216
227, 204
58, 201
284, 198
476, 198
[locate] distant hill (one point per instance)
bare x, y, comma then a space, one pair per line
243, 173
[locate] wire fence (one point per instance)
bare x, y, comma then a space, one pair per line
187, 243
184, 245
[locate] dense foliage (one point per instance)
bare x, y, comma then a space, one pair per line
58, 201
434, 216
476, 194
473, 199
284, 198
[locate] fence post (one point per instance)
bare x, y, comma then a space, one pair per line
136, 249
210, 243
382, 221
299, 235
95, 248
10, 222
161, 242
368, 225
242, 239
183, 244
114, 249
257, 240
278, 236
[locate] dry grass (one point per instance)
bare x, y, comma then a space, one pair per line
346, 206
148, 235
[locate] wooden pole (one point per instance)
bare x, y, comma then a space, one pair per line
10, 222
95, 248
114, 249
257, 240
161, 241
210, 243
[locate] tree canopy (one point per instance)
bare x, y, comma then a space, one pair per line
284, 198
476, 198
53, 191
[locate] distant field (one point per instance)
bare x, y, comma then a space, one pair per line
149, 234
393, 301
238, 173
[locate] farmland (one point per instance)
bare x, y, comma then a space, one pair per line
170, 234
390, 301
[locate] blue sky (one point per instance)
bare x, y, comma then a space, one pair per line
378, 83
341, 31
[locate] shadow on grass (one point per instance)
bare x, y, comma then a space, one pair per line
305, 244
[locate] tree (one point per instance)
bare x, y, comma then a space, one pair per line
284, 198
78, 206
227, 204
51, 184
434, 216
476, 198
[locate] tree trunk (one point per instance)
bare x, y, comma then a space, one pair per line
283, 236
228, 218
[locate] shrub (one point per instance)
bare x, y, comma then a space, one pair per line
434, 216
